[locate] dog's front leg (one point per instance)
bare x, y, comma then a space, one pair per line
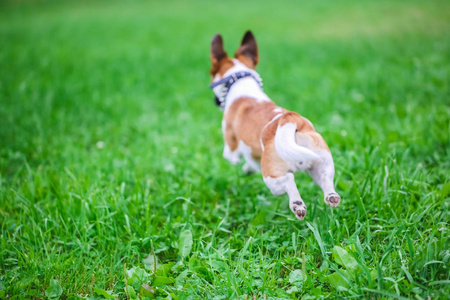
251, 165
286, 184
233, 157
323, 174
230, 151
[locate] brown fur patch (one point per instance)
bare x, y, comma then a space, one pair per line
271, 163
247, 120
304, 129
318, 141
292, 117
221, 67
244, 121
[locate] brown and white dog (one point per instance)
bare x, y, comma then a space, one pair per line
272, 140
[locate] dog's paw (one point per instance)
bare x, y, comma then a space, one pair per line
332, 199
232, 156
299, 209
234, 160
249, 169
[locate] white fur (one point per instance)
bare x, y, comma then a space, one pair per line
244, 87
288, 149
277, 110
233, 157
251, 165
323, 172
282, 185
276, 185
286, 184
224, 126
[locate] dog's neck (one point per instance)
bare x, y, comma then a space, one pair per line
244, 87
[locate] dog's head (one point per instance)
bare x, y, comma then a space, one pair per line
246, 59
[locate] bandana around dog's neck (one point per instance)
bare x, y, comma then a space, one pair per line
228, 83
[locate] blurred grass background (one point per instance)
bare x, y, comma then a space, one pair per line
106, 116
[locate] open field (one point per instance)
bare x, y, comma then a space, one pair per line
111, 152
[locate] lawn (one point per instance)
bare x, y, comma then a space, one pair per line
112, 181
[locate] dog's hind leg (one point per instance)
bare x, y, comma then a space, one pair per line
230, 151
280, 181
322, 172
251, 165
286, 184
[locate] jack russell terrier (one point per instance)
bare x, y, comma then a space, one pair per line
272, 140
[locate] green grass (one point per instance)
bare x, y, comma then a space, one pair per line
110, 150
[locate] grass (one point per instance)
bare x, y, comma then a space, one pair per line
110, 152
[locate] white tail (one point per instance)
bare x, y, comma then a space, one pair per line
288, 149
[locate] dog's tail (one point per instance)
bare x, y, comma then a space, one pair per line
286, 146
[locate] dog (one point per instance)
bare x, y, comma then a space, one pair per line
272, 140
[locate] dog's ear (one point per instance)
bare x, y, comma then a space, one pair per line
247, 53
217, 52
